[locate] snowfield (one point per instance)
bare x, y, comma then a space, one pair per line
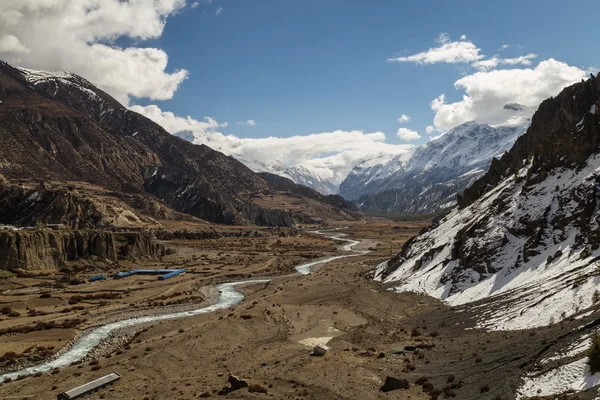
574, 376
538, 292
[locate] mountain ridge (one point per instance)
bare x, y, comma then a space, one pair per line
427, 180
59, 127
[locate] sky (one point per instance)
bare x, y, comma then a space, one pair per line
321, 84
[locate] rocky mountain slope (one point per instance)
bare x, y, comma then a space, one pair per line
298, 174
339, 208
522, 249
529, 225
59, 127
427, 180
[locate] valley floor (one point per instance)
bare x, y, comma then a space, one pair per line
267, 338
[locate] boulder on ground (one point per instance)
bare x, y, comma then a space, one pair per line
392, 383
236, 383
320, 350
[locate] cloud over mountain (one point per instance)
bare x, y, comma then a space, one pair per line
331, 155
486, 87
80, 36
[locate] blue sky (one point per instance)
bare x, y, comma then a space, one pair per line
314, 76
299, 67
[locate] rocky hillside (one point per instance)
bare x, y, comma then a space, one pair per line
428, 179
284, 184
526, 236
60, 127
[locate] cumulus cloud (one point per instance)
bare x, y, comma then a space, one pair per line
497, 81
329, 154
250, 122
404, 119
462, 51
408, 134
486, 93
219, 11
80, 35
486, 65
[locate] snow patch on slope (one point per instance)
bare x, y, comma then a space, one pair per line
574, 376
551, 285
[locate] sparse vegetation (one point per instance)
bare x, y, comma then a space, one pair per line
587, 252
593, 354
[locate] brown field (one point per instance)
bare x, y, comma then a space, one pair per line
267, 338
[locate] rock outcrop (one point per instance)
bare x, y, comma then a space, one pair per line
46, 250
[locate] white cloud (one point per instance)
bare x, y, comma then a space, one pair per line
448, 52
491, 63
408, 134
486, 93
219, 11
79, 36
443, 37
250, 122
404, 119
12, 44
329, 154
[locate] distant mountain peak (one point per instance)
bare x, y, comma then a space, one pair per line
514, 107
427, 179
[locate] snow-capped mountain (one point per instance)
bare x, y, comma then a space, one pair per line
527, 234
298, 174
428, 179
522, 248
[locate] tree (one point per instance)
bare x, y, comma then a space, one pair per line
594, 354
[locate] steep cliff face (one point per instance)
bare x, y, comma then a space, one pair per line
44, 250
526, 236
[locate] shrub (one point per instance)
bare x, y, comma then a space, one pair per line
587, 252
593, 354
427, 387
422, 380
596, 296
256, 388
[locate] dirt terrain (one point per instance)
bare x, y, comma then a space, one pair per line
267, 339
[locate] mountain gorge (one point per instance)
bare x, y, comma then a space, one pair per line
428, 179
